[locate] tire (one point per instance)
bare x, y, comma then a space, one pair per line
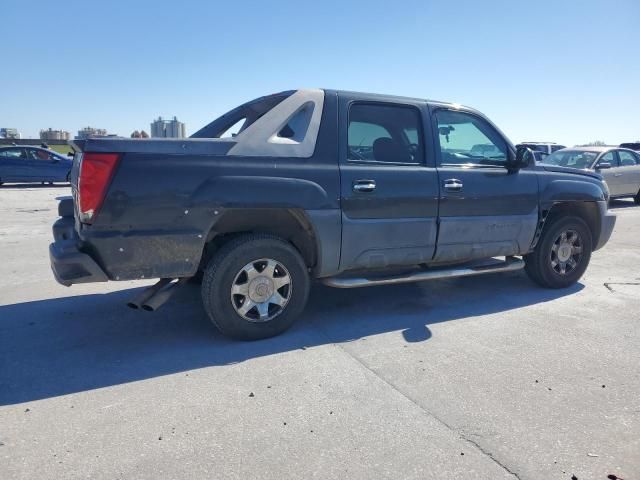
636, 199
553, 255
240, 265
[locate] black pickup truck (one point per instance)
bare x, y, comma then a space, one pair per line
352, 189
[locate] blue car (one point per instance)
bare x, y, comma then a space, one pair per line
33, 164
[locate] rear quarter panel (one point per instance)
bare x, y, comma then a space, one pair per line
160, 207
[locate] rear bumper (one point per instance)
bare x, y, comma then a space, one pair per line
606, 225
68, 263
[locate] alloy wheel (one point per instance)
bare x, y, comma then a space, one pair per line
261, 290
566, 252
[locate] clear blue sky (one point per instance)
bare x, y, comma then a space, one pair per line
560, 70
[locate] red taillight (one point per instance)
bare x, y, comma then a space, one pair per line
96, 170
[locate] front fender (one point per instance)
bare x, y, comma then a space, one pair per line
570, 191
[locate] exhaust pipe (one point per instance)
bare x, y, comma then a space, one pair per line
161, 296
137, 301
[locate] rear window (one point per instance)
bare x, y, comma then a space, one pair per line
234, 122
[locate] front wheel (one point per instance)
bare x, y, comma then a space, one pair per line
562, 254
255, 286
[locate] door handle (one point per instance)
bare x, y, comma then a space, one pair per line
364, 186
617, 174
453, 185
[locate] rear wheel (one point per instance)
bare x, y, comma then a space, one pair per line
562, 254
255, 286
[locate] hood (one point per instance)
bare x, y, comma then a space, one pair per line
575, 171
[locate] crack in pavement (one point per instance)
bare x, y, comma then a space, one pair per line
610, 288
429, 413
490, 455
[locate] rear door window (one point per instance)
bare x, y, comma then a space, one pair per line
13, 153
627, 159
385, 133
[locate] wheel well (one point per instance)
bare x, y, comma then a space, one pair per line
289, 224
587, 211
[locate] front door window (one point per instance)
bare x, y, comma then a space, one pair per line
466, 139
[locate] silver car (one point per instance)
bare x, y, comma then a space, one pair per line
620, 167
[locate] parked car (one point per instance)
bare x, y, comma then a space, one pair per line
33, 164
620, 167
632, 146
352, 189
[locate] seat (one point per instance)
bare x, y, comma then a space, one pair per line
386, 149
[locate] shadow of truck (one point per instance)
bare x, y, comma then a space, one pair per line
72, 344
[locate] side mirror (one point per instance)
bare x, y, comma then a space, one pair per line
603, 165
522, 159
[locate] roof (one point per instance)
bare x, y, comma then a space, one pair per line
392, 98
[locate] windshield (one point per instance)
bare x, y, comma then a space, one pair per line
571, 158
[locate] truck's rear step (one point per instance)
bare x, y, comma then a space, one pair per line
507, 265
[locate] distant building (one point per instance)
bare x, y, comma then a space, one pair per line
88, 132
11, 133
167, 128
51, 134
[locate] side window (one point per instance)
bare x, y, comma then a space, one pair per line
34, 154
13, 153
297, 126
467, 139
233, 129
609, 157
385, 134
627, 159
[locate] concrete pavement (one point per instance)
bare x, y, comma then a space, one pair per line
486, 377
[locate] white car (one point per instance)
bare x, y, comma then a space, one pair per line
620, 167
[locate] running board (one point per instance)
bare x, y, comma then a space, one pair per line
509, 264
